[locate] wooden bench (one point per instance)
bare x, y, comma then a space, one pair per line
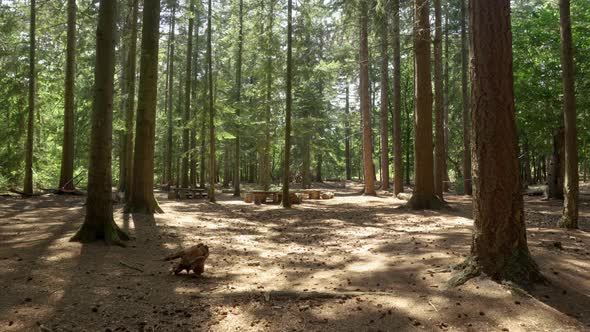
186, 193
261, 197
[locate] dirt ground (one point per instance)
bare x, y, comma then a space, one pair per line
352, 263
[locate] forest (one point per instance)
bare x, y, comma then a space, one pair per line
294, 165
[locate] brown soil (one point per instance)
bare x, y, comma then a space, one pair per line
353, 263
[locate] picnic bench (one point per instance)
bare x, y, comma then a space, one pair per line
261, 197
186, 193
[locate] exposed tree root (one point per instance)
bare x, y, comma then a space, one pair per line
424, 203
106, 230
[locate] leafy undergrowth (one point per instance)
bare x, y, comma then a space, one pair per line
353, 263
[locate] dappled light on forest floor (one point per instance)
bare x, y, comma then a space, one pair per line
350, 263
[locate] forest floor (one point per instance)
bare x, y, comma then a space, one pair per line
353, 263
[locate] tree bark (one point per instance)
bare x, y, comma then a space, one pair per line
467, 182
99, 222
369, 171
439, 163
499, 247
384, 104
66, 178
423, 196
142, 195
187, 100
571, 179
239, 100
398, 180
446, 103
28, 184
347, 133
170, 105
130, 67
266, 168
211, 109
288, 107
555, 183
193, 128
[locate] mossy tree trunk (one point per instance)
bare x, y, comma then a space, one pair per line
499, 247
99, 222
142, 195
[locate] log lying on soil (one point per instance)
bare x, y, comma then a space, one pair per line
328, 195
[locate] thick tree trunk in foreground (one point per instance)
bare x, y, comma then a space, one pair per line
384, 105
288, 107
398, 167
423, 196
556, 166
28, 184
187, 100
366, 101
467, 182
131, 67
66, 178
499, 247
439, 108
571, 179
99, 222
239, 100
212, 171
142, 194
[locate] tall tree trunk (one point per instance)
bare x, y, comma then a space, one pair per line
499, 247
28, 184
142, 195
467, 183
130, 67
266, 170
446, 103
439, 108
193, 128
571, 180
99, 222
187, 99
366, 101
384, 104
556, 166
66, 178
347, 133
239, 100
398, 185
170, 92
211, 109
423, 196
289, 105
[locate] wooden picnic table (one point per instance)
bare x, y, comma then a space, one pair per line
261, 197
185, 193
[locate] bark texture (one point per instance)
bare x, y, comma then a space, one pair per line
423, 196
99, 222
556, 166
289, 105
347, 134
369, 170
499, 246
142, 194
187, 101
170, 99
384, 104
439, 162
571, 179
66, 178
28, 184
397, 104
467, 181
212, 167
239, 100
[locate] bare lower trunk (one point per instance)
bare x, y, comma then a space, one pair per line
439, 163
467, 183
99, 222
28, 184
423, 196
384, 105
170, 105
499, 247
397, 104
556, 167
66, 179
142, 195
289, 105
211, 109
347, 133
366, 102
187, 100
571, 185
